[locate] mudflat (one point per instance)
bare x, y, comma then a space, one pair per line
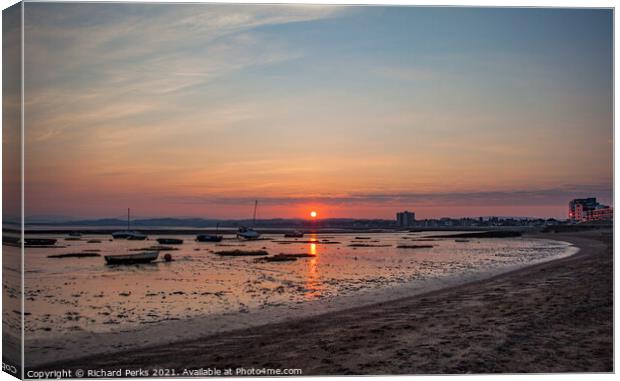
551, 317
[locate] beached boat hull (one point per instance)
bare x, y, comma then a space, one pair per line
137, 237
128, 259
121, 235
169, 241
39, 241
209, 238
134, 236
11, 240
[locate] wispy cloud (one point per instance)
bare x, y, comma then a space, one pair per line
164, 105
90, 65
552, 196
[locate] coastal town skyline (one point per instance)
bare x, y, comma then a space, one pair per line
198, 110
316, 215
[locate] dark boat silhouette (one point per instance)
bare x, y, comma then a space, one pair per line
39, 241
210, 237
169, 241
129, 259
128, 234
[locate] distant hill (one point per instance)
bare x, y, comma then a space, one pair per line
207, 223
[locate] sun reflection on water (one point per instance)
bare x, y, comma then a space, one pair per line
314, 286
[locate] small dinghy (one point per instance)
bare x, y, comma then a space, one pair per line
128, 234
209, 238
11, 240
39, 241
137, 237
128, 259
294, 234
169, 241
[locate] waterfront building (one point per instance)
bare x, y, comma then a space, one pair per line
605, 213
588, 209
405, 219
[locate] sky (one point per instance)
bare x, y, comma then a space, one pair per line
11, 110
197, 110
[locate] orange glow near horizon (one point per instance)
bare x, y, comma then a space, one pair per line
194, 125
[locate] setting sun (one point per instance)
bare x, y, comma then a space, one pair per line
313, 214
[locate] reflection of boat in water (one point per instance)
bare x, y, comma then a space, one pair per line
128, 234
169, 241
39, 241
128, 259
294, 234
249, 233
210, 237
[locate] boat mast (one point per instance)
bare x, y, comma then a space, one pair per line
254, 218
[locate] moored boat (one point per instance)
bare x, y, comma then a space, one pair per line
39, 241
209, 238
128, 259
249, 233
122, 234
169, 241
128, 234
137, 237
294, 234
11, 240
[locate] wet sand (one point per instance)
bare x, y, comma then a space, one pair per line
552, 317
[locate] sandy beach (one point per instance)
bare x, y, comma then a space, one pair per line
551, 317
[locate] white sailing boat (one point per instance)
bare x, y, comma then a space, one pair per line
128, 234
249, 233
